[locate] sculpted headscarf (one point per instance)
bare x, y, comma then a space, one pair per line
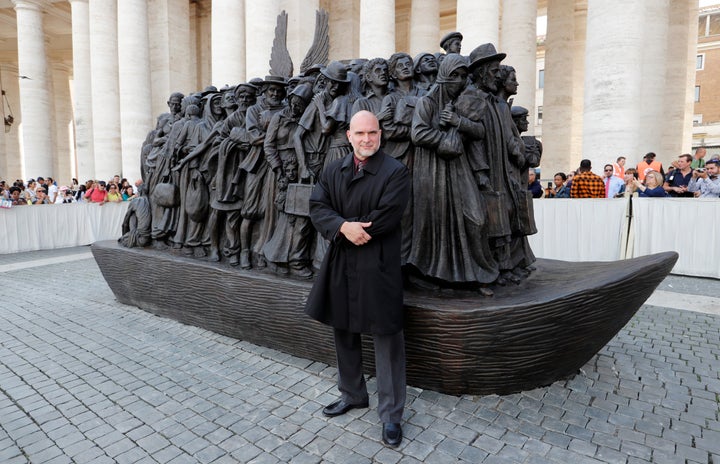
452, 62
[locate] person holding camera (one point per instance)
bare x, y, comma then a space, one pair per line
559, 190
705, 182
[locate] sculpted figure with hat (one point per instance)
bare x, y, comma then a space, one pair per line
255, 170
497, 160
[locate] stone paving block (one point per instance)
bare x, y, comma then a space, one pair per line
636, 449
557, 439
210, 454
88, 455
45, 455
319, 446
62, 459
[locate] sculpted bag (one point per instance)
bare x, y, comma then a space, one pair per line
451, 145
166, 195
196, 199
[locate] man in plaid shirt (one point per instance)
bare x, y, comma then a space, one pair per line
586, 184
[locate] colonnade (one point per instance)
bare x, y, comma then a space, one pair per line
618, 75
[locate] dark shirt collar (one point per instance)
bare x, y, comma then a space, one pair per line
372, 163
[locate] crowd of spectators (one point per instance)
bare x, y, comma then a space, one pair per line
687, 176
43, 191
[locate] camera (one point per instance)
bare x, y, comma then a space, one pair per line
701, 170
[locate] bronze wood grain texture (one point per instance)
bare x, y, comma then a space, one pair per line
526, 336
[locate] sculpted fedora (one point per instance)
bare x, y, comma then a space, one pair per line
335, 71
484, 53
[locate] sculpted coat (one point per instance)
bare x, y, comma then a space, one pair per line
359, 288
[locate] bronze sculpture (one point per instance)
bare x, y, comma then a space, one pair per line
233, 184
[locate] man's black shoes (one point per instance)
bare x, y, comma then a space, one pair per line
392, 434
340, 407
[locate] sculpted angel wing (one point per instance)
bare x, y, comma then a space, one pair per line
320, 48
280, 61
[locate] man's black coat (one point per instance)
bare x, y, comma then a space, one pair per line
360, 288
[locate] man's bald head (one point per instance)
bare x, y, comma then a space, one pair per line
364, 134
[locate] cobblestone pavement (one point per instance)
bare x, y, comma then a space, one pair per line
84, 379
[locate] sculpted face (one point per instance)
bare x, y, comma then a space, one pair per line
378, 75
457, 82
228, 100
246, 98
454, 46
320, 83
332, 88
174, 104
297, 105
511, 84
428, 65
485, 75
275, 94
521, 122
216, 105
364, 134
403, 69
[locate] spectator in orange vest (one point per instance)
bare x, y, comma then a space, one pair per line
648, 163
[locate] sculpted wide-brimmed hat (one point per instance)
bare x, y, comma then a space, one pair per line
210, 89
277, 80
335, 71
484, 53
448, 37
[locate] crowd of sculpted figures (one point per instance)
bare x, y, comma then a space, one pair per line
227, 173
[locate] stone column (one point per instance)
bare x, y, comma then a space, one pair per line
301, 28
653, 88
105, 85
64, 162
377, 28
261, 18
82, 94
558, 90
478, 21
10, 155
170, 49
578, 100
519, 41
35, 99
134, 79
613, 80
228, 42
679, 96
424, 26
344, 29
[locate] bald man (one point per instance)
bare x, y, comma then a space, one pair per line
357, 205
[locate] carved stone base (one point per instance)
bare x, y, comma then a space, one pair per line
526, 336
